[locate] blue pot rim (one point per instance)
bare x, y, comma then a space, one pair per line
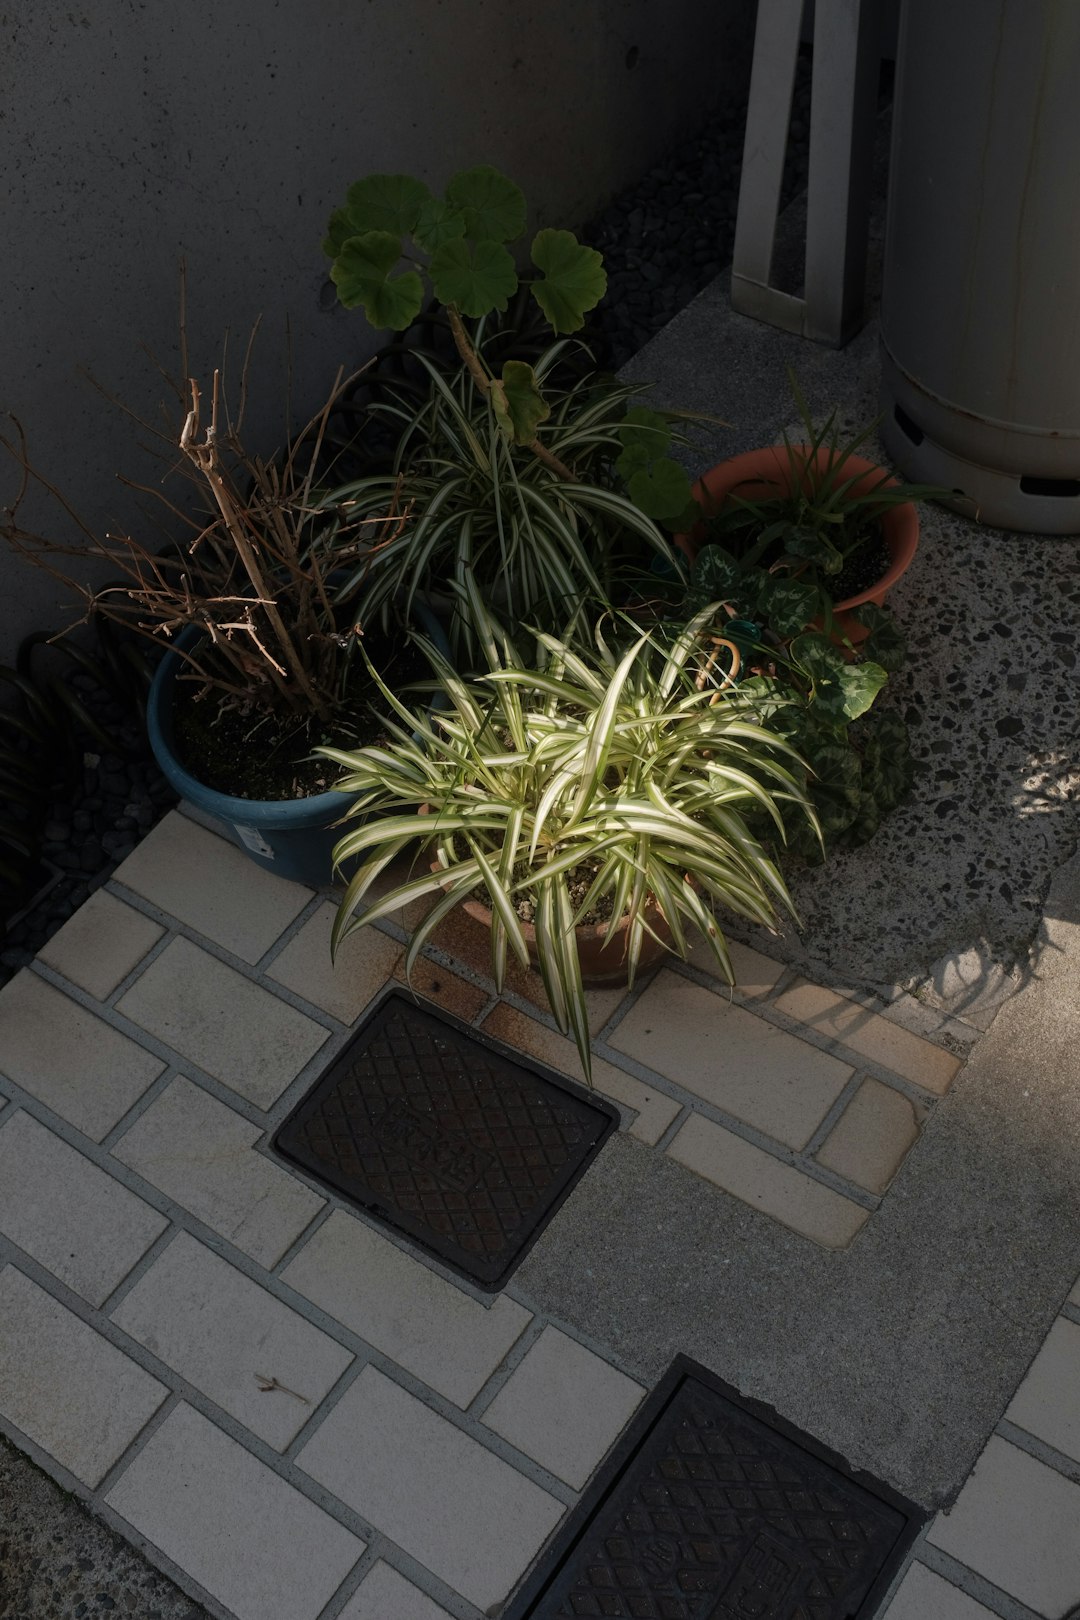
316, 810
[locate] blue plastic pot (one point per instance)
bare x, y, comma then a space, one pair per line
293, 837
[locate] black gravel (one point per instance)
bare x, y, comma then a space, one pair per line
670, 234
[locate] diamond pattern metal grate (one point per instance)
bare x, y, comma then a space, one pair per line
713, 1512
458, 1142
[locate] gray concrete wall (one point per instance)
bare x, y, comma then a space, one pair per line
134, 134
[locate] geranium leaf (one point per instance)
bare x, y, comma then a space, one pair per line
642, 429
660, 490
338, 230
386, 202
635, 458
361, 273
492, 206
437, 223
573, 279
519, 405
476, 276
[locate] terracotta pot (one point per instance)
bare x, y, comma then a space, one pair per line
600, 964
758, 472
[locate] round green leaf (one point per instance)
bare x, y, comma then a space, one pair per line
338, 231
836, 788
438, 223
475, 276
642, 429
717, 574
361, 273
573, 279
519, 404
887, 766
886, 644
386, 202
492, 206
787, 605
660, 490
841, 691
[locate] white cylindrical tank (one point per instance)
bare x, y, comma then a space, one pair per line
980, 320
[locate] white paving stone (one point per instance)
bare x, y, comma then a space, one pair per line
872, 1036
731, 1058
1018, 1523
460, 1511
228, 1336
68, 1058
231, 1028
563, 1406
922, 1595
248, 1537
208, 883
75, 1220
199, 1152
343, 987
385, 1595
755, 975
64, 1386
1047, 1403
404, 1309
779, 1190
100, 945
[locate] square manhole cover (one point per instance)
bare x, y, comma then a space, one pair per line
712, 1508
452, 1138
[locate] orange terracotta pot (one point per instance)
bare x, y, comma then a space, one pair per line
759, 472
600, 964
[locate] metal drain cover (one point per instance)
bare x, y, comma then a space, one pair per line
714, 1509
462, 1144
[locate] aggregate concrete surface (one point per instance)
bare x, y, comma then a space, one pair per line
57, 1562
902, 1351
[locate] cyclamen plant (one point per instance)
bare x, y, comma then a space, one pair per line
393, 235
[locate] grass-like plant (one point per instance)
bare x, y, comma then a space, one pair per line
615, 765
465, 500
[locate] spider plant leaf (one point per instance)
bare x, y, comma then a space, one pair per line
572, 281
361, 274
476, 276
503, 908
492, 206
457, 882
601, 729
569, 971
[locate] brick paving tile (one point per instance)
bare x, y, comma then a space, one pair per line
249, 1538
200, 1153
872, 1137
75, 1220
758, 1179
731, 1058
563, 1406
1047, 1403
870, 1035
455, 1507
231, 1028
209, 884
228, 1337
443, 988
342, 987
68, 1058
403, 1308
1017, 1522
385, 1595
68, 1389
922, 1595
100, 945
